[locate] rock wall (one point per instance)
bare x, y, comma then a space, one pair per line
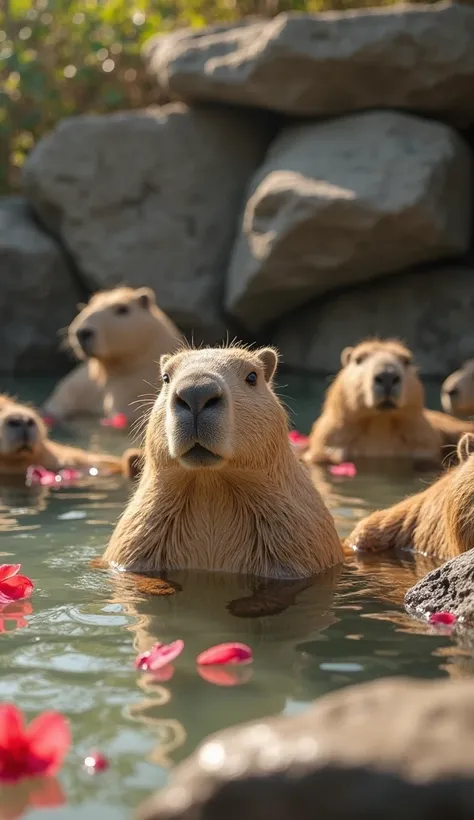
311, 185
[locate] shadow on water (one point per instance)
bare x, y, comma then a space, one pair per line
73, 646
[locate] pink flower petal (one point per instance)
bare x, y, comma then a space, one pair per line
345, 469
229, 676
50, 421
15, 588
161, 654
96, 762
49, 738
225, 653
69, 474
442, 619
119, 421
8, 571
12, 727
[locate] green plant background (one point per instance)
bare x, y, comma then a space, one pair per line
65, 57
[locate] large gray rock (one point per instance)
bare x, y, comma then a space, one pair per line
417, 57
430, 310
449, 588
150, 198
393, 748
345, 201
38, 295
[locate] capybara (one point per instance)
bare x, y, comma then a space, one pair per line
438, 521
76, 394
221, 488
457, 391
24, 441
121, 333
374, 409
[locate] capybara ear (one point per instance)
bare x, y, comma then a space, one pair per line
132, 462
269, 359
164, 359
465, 447
80, 306
346, 355
146, 297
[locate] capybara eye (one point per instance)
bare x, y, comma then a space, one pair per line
251, 378
406, 361
360, 359
166, 378
121, 310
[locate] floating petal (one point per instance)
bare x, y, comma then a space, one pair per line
347, 469
161, 654
225, 653
442, 619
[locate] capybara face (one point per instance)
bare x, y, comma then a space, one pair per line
21, 430
214, 407
380, 376
457, 392
115, 324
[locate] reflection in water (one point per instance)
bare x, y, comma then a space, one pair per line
86, 627
271, 616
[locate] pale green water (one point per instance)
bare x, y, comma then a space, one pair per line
76, 652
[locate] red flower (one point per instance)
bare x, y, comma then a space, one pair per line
38, 749
225, 653
161, 654
119, 421
442, 619
13, 587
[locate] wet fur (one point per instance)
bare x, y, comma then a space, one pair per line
349, 430
49, 454
123, 368
437, 522
258, 513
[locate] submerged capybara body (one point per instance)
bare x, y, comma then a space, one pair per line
77, 394
436, 522
374, 409
24, 441
221, 488
121, 333
457, 391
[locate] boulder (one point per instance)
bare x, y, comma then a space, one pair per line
391, 748
38, 296
344, 201
449, 588
416, 57
431, 310
150, 198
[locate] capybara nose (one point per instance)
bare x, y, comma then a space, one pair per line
198, 396
388, 380
85, 336
21, 426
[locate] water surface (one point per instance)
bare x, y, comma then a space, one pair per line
72, 646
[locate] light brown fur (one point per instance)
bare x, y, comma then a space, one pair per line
130, 333
249, 506
437, 522
353, 427
457, 391
52, 455
76, 394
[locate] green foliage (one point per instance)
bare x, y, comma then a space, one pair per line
64, 57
